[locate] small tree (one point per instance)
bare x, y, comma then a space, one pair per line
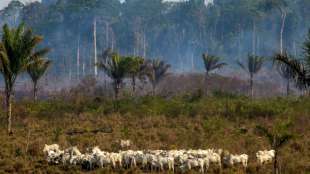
211, 63
156, 71
17, 51
36, 70
115, 68
277, 137
254, 65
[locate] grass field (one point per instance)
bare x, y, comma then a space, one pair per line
184, 122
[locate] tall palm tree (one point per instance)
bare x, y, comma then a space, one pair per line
211, 63
36, 70
300, 67
277, 137
157, 70
284, 70
115, 68
134, 68
17, 51
253, 66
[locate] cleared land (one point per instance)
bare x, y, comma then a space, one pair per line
186, 122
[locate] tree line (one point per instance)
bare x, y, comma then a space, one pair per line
175, 32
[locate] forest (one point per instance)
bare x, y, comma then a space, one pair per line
177, 32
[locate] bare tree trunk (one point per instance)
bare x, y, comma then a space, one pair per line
144, 45
107, 34
133, 84
283, 18
83, 69
95, 48
78, 60
9, 110
192, 61
254, 39
35, 90
239, 41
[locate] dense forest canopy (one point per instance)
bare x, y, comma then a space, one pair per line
177, 32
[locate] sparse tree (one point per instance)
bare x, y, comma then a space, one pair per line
253, 66
211, 63
157, 70
17, 52
36, 70
277, 137
115, 68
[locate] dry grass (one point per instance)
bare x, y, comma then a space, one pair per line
39, 124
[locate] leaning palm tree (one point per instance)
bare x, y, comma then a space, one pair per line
211, 63
36, 70
254, 65
17, 51
284, 70
156, 71
115, 68
300, 67
277, 137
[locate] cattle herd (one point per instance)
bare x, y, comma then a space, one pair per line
153, 160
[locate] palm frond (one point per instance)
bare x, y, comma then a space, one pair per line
212, 63
37, 68
283, 140
40, 53
241, 65
297, 68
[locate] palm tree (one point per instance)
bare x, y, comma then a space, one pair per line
300, 67
115, 68
211, 63
277, 137
36, 70
134, 66
254, 65
156, 71
284, 70
17, 51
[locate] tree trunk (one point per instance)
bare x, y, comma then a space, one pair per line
153, 89
35, 90
251, 86
254, 38
78, 60
133, 84
283, 18
275, 163
206, 83
95, 48
288, 87
116, 90
9, 110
